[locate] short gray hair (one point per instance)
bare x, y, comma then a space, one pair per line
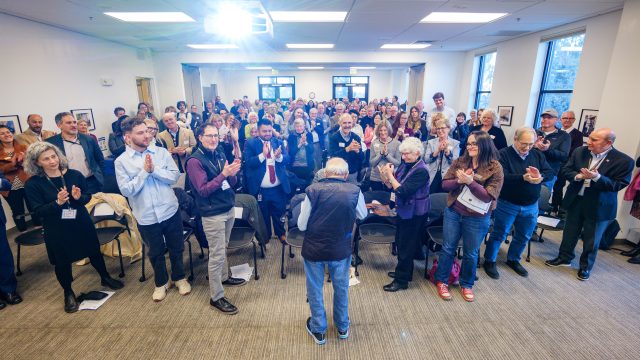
34, 151
525, 129
413, 145
336, 167
169, 115
491, 112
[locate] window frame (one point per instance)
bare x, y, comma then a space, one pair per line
277, 85
350, 85
551, 44
481, 63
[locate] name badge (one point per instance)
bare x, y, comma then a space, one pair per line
69, 214
341, 144
259, 197
587, 183
225, 185
392, 198
377, 145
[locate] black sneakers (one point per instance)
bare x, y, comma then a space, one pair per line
491, 270
583, 275
231, 281
343, 334
319, 338
557, 262
224, 306
518, 268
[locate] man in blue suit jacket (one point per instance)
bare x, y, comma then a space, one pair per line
266, 177
596, 173
82, 152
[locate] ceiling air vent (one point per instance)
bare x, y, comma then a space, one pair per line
509, 33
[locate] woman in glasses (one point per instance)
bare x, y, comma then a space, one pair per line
474, 182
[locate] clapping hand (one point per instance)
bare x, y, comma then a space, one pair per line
532, 175
464, 176
63, 196
353, 146
265, 149
278, 152
148, 164
75, 192
588, 174
231, 169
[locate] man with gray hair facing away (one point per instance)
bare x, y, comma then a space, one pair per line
327, 214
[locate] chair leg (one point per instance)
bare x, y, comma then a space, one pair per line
263, 248
121, 275
528, 258
19, 273
291, 254
426, 262
190, 261
143, 278
356, 246
540, 238
283, 275
255, 261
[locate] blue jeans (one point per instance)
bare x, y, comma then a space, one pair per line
522, 218
472, 229
339, 273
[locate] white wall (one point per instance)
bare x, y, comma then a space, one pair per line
516, 80
236, 83
442, 72
47, 70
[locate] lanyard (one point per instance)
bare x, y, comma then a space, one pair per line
598, 163
64, 184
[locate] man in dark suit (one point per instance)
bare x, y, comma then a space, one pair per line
596, 173
82, 152
266, 161
567, 120
196, 119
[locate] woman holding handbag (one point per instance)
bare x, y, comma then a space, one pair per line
439, 153
474, 182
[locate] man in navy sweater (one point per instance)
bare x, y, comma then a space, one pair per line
524, 169
346, 145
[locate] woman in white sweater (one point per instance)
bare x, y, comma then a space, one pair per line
439, 153
384, 150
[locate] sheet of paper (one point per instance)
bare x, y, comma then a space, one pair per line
243, 271
95, 304
103, 209
548, 221
353, 281
238, 212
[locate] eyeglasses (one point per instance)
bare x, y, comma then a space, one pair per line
152, 129
442, 128
568, 118
472, 144
211, 136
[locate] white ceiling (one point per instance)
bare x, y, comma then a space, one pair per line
369, 24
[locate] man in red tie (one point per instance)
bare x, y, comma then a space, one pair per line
266, 178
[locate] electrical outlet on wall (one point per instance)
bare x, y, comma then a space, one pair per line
106, 81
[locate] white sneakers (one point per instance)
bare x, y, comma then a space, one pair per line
184, 288
160, 292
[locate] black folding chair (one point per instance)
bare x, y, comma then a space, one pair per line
107, 234
242, 236
544, 209
294, 238
433, 228
32, 237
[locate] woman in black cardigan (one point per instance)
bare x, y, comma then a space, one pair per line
58, 196
300, 145
487, 124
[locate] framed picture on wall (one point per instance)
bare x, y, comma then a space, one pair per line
587, 123
85, 115
12, 122
505, 115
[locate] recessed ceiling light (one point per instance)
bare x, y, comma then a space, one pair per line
308, 16
363, 67
229, 21
461, 17
151, 16
212, 46
405, 46
258, 67
310, 46
310, 67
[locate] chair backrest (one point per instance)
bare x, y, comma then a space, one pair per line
383, 197
543, 200
295, 237
104, 212
438, 204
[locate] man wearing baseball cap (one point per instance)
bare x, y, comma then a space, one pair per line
554, 144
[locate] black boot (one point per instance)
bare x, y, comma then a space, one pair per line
111, 283
634, 260
70, 302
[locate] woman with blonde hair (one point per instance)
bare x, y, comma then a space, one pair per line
384, 150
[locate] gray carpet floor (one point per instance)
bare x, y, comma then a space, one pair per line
549, 315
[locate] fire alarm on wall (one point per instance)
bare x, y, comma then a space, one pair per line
104, 81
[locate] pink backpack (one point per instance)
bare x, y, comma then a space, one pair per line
454, 277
